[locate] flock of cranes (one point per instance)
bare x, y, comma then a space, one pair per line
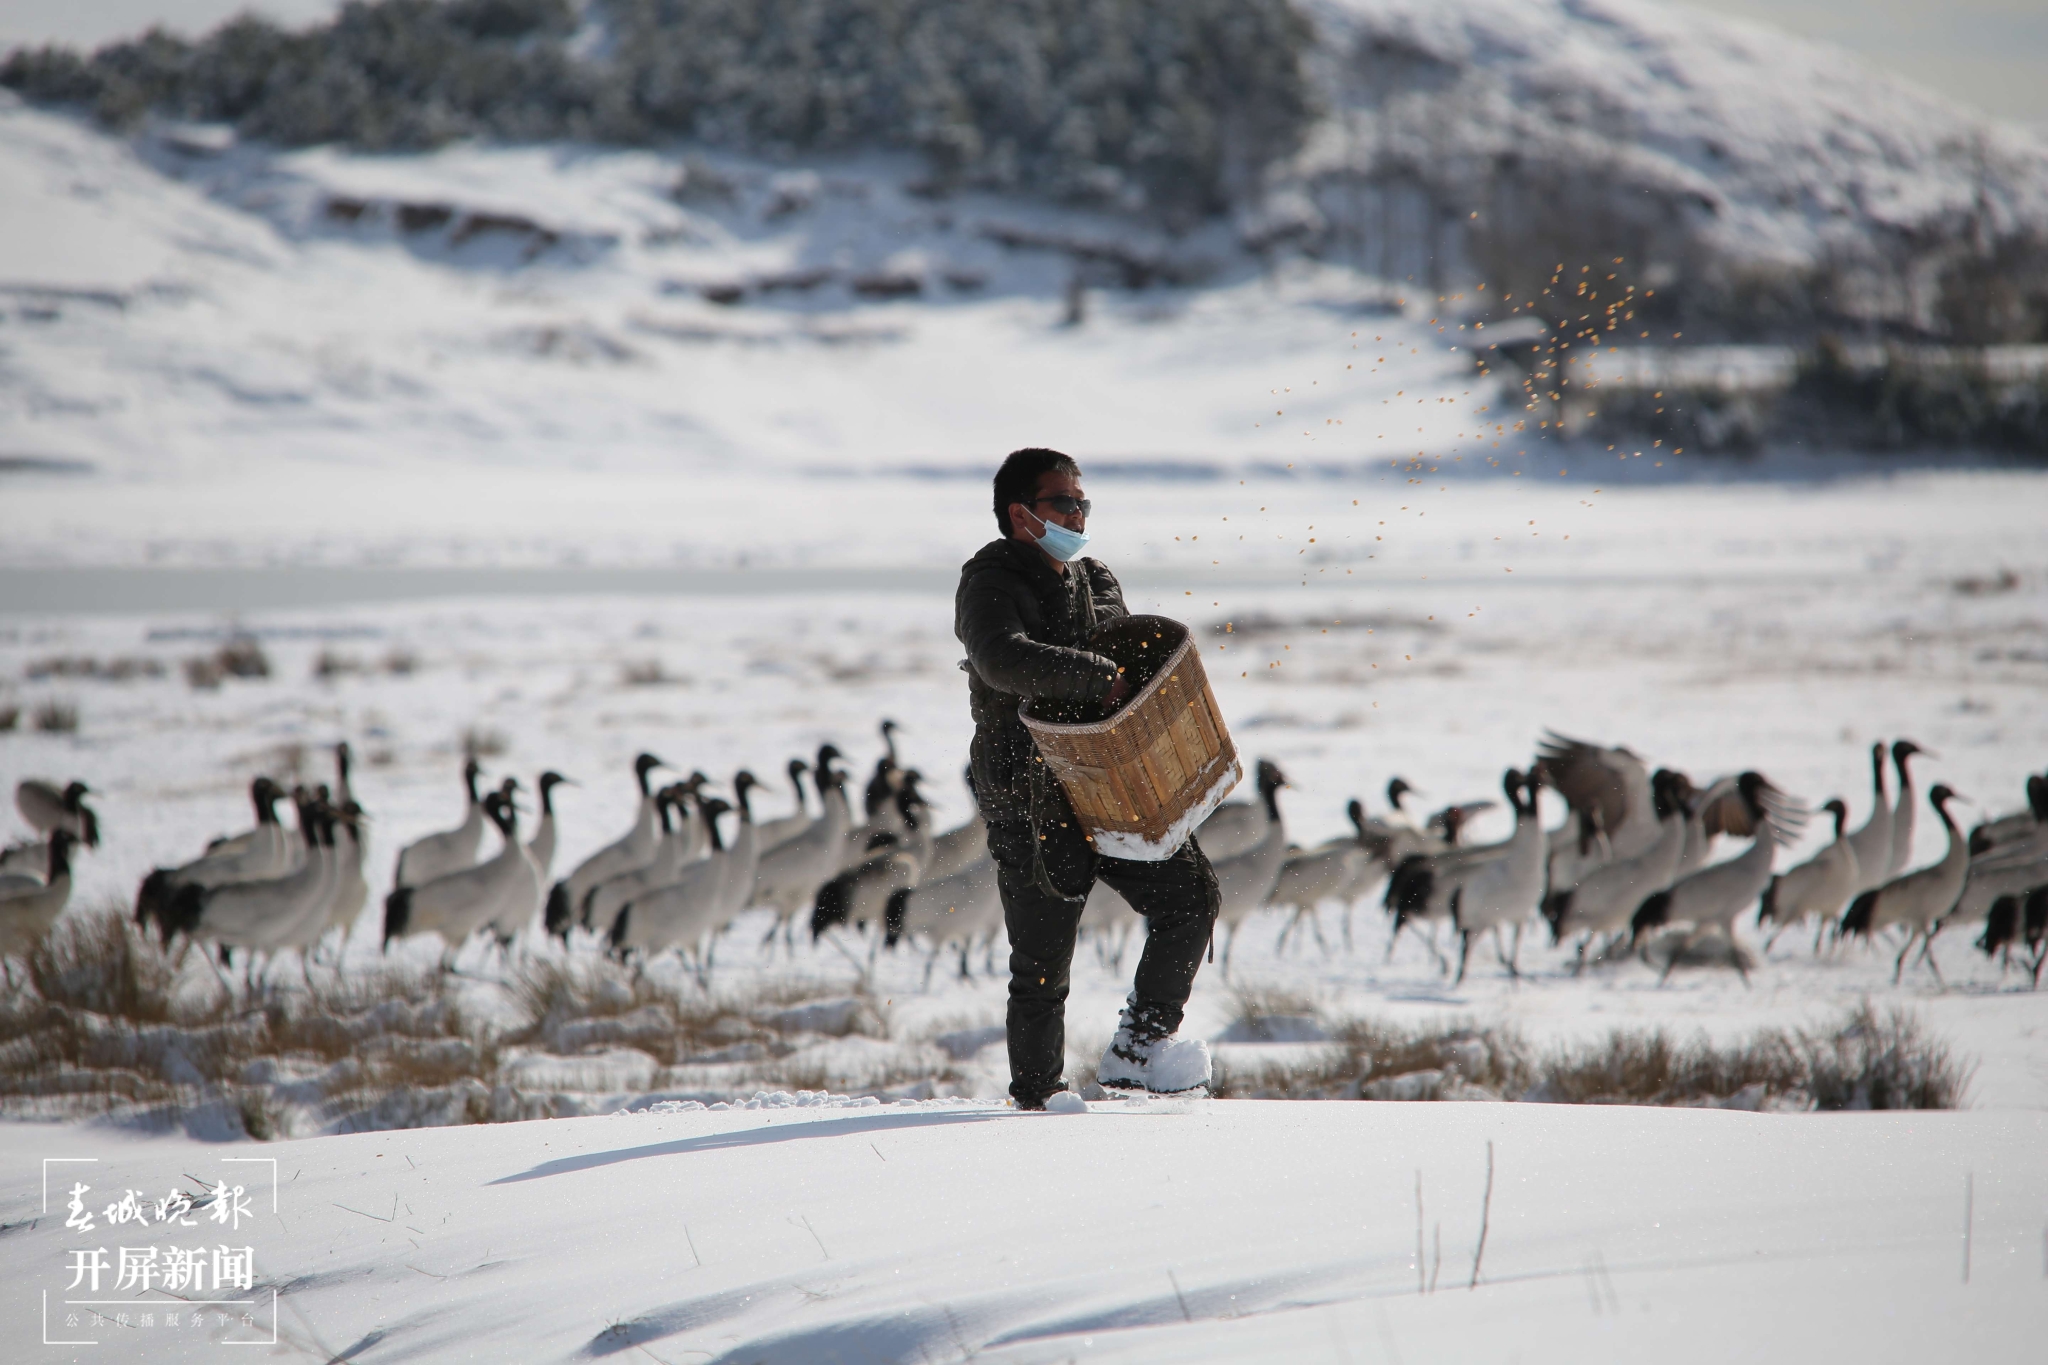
1631, 863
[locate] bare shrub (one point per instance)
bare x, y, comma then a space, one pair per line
56, 716
401, 662
242, 657
1654, 1068
330, 664
643, 673
98, 960
238, 657
482, 741
122, 669
1455, 1056
1864, 1060
1883, 1061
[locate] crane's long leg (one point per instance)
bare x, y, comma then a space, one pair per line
1671, 962
1280, 945
218, 974
1899, 968
1464, 952
1443, 964
1927, 953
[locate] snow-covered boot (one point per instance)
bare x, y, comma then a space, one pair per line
1147, 1055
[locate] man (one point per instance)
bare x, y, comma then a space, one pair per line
1026, 607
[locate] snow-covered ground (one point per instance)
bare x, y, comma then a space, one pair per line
1137, 1232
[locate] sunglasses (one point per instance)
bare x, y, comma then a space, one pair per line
1064, 505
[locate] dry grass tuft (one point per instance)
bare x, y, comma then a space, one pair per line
1864, 1060
101, 962
1887, 1061
105, 1022
481, 741
55, 716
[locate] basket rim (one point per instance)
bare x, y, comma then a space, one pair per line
1129, 708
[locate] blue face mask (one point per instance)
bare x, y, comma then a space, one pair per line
1061, 543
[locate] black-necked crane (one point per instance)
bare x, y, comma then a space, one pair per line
1613, 806
266, 832
49, 808
264, 856
268, 915
881, 790
1992, 880
436, 855
1607, 896
962, 908
541, 847
776, 832
692, 912
1244, 879
2018, 920
1903, 808
28, 908
2020, 827
1709, 900
674, 849
351, 887
787, 878
1816, 888
1872, 840
656, 920
2008, 858
1503, 893
1310, 876
456, 905
1232, 827
1422, 884
634, 848
861, 893
1916, 899
962, 846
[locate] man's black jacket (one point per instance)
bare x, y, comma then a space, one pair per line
1024, 625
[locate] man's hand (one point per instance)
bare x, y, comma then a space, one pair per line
1120, 689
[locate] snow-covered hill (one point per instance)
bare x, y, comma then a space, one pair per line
181, 308
1486, 134
1142, 1232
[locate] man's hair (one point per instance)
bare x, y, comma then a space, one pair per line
1018, 479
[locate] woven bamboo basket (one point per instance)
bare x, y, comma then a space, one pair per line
1143, 777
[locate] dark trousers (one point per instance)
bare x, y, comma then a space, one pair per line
1177, 897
